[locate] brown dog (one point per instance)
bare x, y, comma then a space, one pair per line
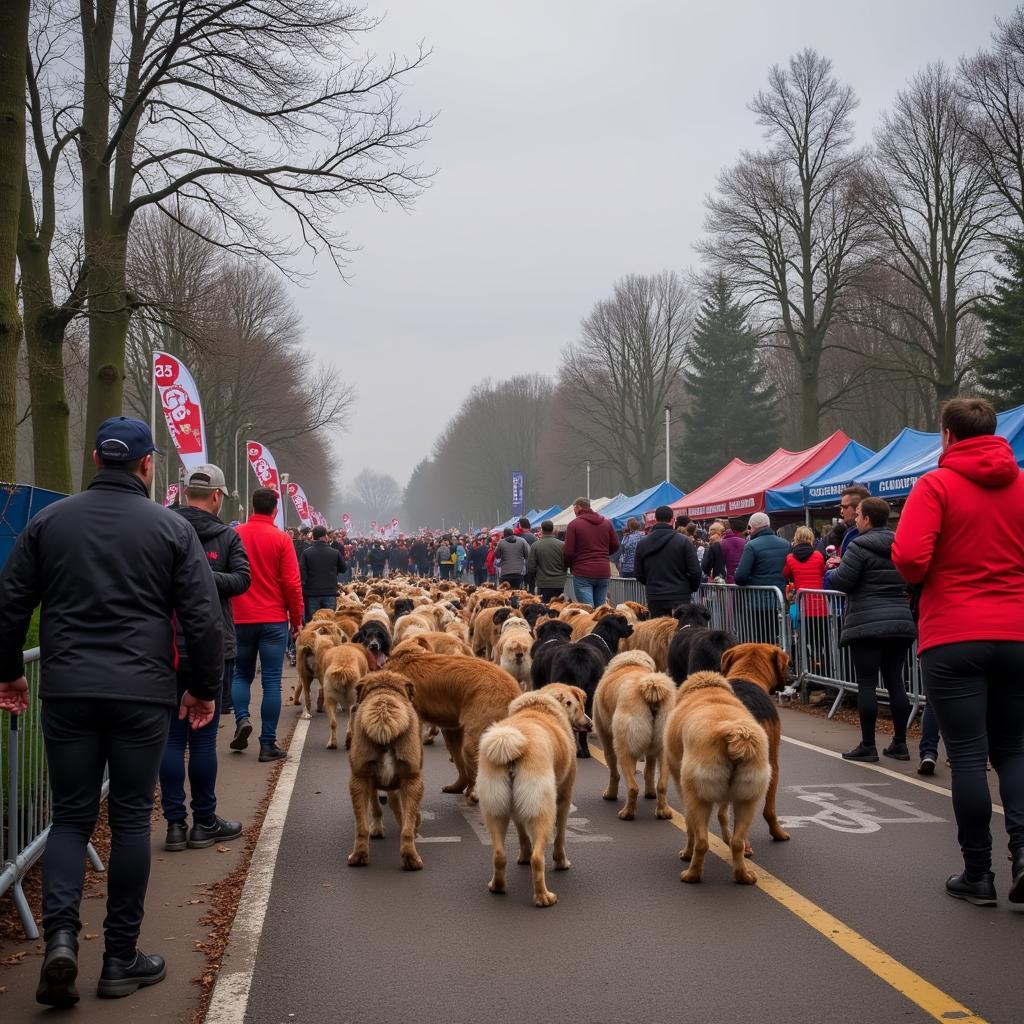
755, 671
344, 666
386, 754
461, 696
307, 644
433, 643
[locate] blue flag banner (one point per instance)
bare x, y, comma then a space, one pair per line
518, 494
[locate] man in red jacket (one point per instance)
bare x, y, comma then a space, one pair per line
970, 629
265, 616
589, 542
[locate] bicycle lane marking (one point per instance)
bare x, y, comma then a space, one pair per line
932, 1000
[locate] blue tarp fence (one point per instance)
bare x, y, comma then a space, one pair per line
18, 504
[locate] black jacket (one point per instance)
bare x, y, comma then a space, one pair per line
713, 564
398, 557
666, 564
226, 556
319, 567
111, 568
877, 602
419, 554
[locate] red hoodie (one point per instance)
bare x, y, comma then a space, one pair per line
276, 591
589, 540
807, 571
961, 537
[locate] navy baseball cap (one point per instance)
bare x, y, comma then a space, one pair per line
123, 439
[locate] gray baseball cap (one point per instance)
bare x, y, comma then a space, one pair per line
208, 477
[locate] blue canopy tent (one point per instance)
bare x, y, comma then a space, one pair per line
20, 503
548, 513
791, 497
510, 524
621, 509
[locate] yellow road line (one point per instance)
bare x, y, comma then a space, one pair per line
932, 1000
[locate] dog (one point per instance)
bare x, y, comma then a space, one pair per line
755, 671
306, 661
485, 629
411, 623
434, 643
655, 635
718, 754
376, 638
512, 653
631, 706
697, 649
386, 754
461, 696
344, 666
527, 772
535, 611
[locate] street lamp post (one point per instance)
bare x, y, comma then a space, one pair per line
284, 503
588, 479
668, 444
244, 426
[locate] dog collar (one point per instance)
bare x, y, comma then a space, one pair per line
597, 636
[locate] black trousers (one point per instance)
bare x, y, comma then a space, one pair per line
660, 606
83, 737
977, 692
886, 657
513, 579
547, 594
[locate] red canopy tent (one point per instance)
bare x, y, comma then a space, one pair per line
738, 489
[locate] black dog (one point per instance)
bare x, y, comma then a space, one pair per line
693, 615
533, 611
375, 637
549, 636
403, 606
697, 650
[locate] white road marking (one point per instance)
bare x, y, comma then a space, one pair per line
231, 993
930, 786
577, 830
854, 808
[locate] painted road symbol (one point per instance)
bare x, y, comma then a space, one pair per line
855, 808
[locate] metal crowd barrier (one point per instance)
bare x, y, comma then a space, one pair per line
622, 588
821, 660
26, 804
754, 615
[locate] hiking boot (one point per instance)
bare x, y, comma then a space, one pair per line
219, 831
60, 969
271, 752
927, 765
982, 892
176, 837
897, 751
1017, 874
243, 730
123, 977
862, 752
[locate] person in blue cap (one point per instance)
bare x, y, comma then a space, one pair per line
112, 571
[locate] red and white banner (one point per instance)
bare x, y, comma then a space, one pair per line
346, 519
302, 505
183, 412
265, 468
171, 496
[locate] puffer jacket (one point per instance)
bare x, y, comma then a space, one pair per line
877, 602
805, 569
761, 564
627, 552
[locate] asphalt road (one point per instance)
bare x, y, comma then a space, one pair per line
852, 924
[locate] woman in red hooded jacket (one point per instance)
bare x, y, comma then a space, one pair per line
970, 584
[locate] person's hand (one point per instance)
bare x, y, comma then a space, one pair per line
14, 696
294, 631
198, 712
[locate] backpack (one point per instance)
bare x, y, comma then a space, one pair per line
444, 553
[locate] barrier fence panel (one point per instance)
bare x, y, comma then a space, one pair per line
754, 615
621, 588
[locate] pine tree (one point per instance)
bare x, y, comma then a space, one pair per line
1001, 368
731, 410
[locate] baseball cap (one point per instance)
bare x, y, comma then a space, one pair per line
123, 439
210, 477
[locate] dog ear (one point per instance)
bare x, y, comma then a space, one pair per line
728, 657
581, 696
781, 665
501, 615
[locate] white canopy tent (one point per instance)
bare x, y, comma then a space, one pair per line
564, 518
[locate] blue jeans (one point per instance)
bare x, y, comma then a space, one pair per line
328, 601
590, 591
268, 640
202, 763
929, 745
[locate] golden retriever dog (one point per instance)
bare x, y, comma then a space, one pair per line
461, 696
386, 754
655, 635
755, 671
305, 658
718, 754
512, 653
434, 643
633, 611
486, 629
344, 666
322, 615
527, 772
631, 706
414, 622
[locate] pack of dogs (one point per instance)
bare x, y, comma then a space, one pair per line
515, 687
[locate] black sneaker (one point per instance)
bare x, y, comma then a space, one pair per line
123, 977
243, 730
981, 893
271, 752
927, 765
60, 969
176, 836
1017, 874
220, 831
862, 752
897, 751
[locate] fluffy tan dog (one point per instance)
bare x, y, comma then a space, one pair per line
512, 653
305, 658
376, 614
433, 643
527, 772
486, 630
654, 637
386, 754
459, 628
414, 622
632, 703
344, 666
718, 754
461, 696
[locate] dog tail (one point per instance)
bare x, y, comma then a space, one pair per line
502, 744
641, 659
656, 689
744, 741
384, 719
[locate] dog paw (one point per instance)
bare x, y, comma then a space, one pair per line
453, 787
545, 899
690, 876
745, 878
305, 716
332, 745
663, 813
471, 798
524, 857
650, 796
359, 859
412, 862
429, 741
748, 850
376, 831
610, 794
626, 814
563, 865
498, 888
780, 836
686, 854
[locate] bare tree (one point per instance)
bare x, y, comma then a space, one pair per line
784, 228
379, 493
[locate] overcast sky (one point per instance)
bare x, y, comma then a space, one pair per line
575, 142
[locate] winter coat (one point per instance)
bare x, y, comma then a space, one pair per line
805, 569
230, 564
377, 556
761, 564
512, 552
111, 568
276, 591
627, 552
319, 568
478, 556
419, 555
489, 561
398, 557
589, 541
732, 551
877, 602
666, 564
546, 562
713, 562
961, 536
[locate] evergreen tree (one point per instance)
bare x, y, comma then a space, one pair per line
731, 410
1001, 368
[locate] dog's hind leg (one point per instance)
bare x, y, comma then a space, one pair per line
539, 829
409, 804
723, 823
377, 814
743, 814
628, 768
361, 793
498, 826
608, 746
332, 722
306, 707
650, 769
562, 808
470, 754
525, 844
662, 810
777, 831
453, 740
320, 698
698, 812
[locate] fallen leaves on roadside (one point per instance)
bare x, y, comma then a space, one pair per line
223, 849
14, 958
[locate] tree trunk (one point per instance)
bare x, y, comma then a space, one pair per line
809, 408
13, 48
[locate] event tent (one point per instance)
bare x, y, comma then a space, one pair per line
738, 489
548, 513
637, 504
793, 497
563, 519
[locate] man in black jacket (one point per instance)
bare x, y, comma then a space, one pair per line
205, 490
666, 564
420, 558
111, 570
320, 566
